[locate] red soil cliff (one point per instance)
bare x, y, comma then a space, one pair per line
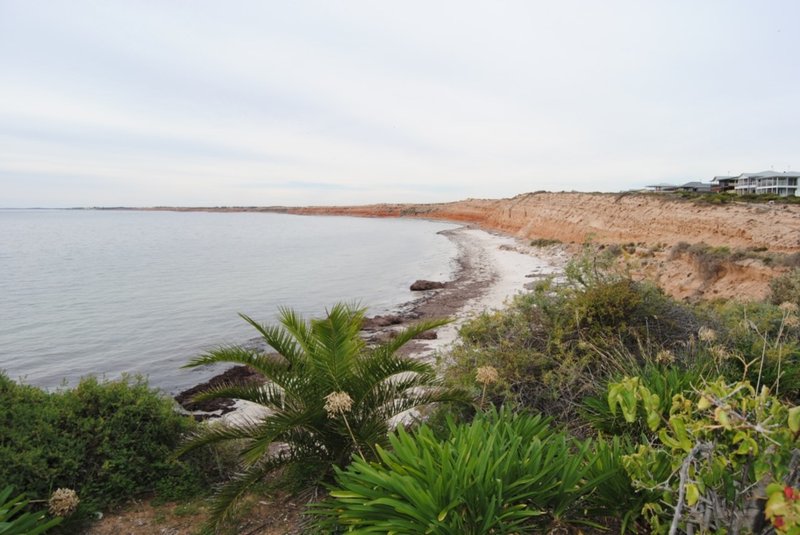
625, 218
608, 218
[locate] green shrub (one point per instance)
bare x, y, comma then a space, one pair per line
723, 444
109, 441
760, 342
709, 261
503, 473
663, 380
786, 288
557, 344
726, 197
15, 519
615, 499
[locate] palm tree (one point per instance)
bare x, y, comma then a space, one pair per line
329, 396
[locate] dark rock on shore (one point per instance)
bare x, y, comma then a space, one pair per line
427, 335
237, 375
371, 324
422, 285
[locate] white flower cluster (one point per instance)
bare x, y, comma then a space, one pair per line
486, 375
63, 502
338, 403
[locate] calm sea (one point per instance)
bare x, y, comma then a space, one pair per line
106, 292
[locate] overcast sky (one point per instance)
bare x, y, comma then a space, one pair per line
262, 103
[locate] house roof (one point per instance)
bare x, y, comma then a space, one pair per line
695, 185
770, 174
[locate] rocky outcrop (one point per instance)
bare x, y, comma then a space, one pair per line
238, 375
422, 285
378, 322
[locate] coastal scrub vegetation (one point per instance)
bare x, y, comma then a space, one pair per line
705, 198
559, 344
711, 261
724, 444
596, 403
329, 397
107, 441
663, 417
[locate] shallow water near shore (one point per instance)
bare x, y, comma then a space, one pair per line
106, 292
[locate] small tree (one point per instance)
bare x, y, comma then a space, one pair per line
329, 396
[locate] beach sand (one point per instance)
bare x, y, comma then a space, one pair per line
492, 269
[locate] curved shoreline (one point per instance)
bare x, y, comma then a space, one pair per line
491, 268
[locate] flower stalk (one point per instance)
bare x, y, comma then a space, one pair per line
339, 403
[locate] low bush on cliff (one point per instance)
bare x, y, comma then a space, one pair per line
759, 342
786, 288
729, 197
109, 441
712, 261
544, 242
555, 345
709, 261
560, 343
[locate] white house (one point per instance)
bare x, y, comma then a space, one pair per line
777, 183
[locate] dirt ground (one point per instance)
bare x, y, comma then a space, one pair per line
261, 515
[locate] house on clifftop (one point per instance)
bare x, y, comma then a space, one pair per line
723, 183
695, 187
783, 183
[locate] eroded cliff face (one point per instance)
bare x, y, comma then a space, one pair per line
609, 218
625, 218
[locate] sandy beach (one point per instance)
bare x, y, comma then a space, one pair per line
492, 268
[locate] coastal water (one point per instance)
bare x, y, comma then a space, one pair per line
106, 292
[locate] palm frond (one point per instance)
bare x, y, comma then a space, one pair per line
267, 394
211, 434
275, 427
395, 387
224, 500
415, 399
297, 327
339, 343
266, 365
279, 339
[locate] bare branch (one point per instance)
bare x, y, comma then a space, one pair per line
684, 475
